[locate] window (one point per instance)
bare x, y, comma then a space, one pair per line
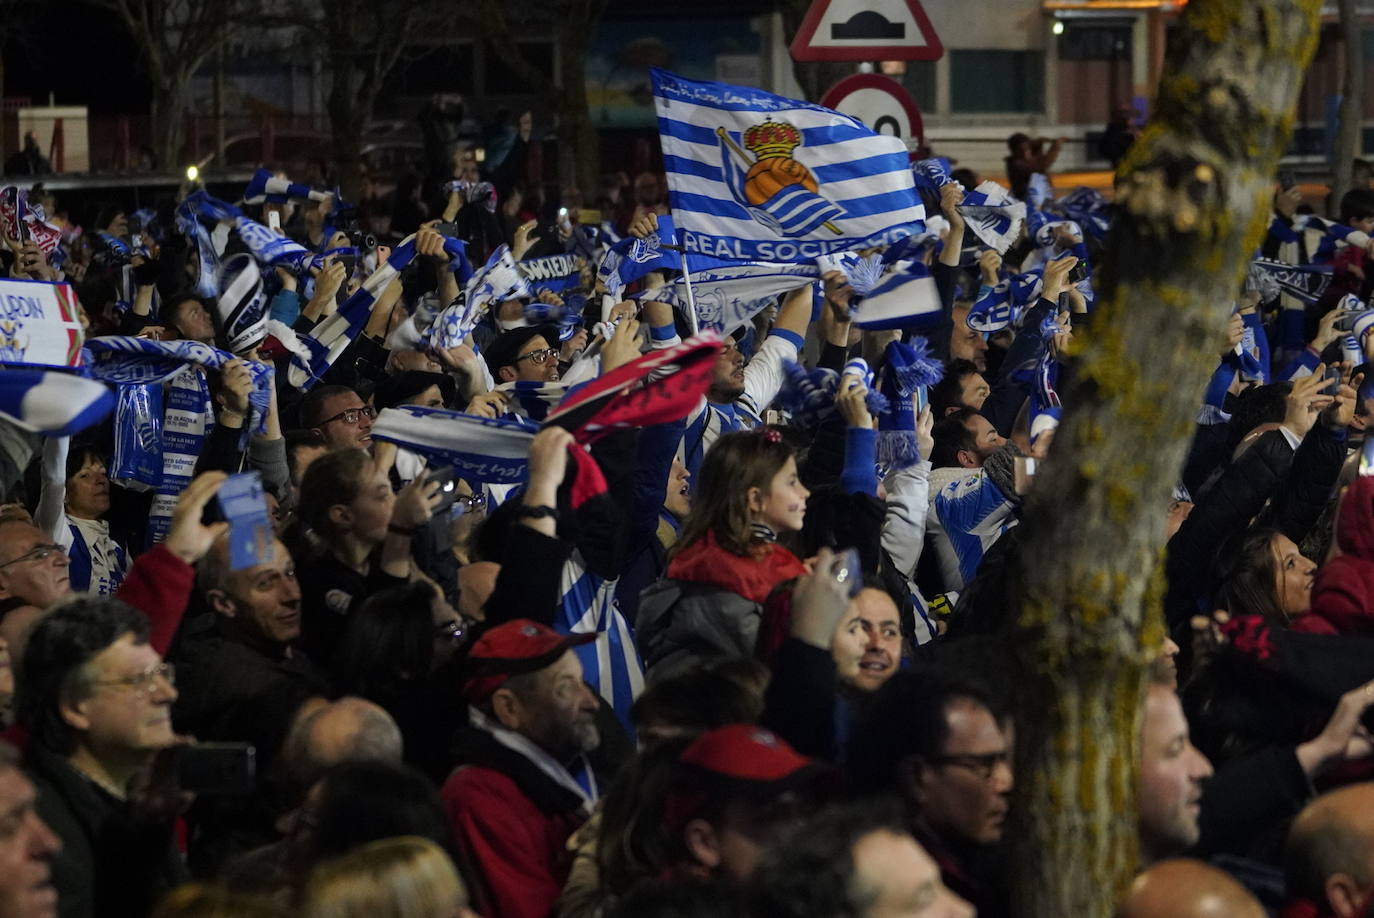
1096, 40
996, 81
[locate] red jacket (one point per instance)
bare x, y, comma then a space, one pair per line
512, 821
520, 850
1343, 594
159, 585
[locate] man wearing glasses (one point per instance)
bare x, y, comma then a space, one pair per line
939, 740
524, 355
340, 417
96, 699
33, 576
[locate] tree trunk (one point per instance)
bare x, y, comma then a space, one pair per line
1350, 136
579, 154
347, 121
1194, 199
168, 116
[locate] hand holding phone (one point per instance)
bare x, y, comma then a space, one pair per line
819, 600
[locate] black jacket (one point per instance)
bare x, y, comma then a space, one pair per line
111, 863
234, 687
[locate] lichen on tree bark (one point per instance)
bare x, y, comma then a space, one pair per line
1193, 199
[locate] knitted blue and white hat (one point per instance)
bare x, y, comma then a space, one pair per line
242, 305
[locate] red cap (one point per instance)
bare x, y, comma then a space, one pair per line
737, 759
510, 649
745, 752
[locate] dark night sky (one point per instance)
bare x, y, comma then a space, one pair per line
79, 52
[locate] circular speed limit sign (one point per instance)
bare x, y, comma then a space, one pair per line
879, 102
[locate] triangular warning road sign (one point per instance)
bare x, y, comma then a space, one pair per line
866, 30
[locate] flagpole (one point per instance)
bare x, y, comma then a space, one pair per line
686, 281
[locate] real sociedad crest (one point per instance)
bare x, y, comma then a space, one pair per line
11, 348
777, 191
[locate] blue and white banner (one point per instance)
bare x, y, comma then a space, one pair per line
758, 177
126, 360
629, 259
1306, 282
993, 215
905, 298
726, 298
555, 273
481, 450
40, 323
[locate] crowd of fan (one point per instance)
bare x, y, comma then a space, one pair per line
804, 739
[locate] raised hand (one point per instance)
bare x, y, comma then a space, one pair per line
187, 537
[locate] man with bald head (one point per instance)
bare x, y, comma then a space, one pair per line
1184, 888
1329, 860
327, 733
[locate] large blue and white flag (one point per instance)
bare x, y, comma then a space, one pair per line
52, 402
629, 259
758, 177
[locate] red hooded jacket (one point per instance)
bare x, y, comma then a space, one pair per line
1343, 594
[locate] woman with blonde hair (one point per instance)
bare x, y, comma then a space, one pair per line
406, 877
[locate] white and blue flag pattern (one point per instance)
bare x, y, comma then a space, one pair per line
839, 187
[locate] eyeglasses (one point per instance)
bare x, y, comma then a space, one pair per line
984, 766
144, 683
539, 357
37, 553
350, 415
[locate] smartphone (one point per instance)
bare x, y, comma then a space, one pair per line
1333, 381
848, 566
447, 228
274, 220
1287, 179
448, 487
227, 769
922, 398
1023, 473
1078, 272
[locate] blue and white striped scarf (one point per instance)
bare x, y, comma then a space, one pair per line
498, 280
126, 360
482, 450
329, 339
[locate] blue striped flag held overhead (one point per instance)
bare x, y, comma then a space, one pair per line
758, 177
